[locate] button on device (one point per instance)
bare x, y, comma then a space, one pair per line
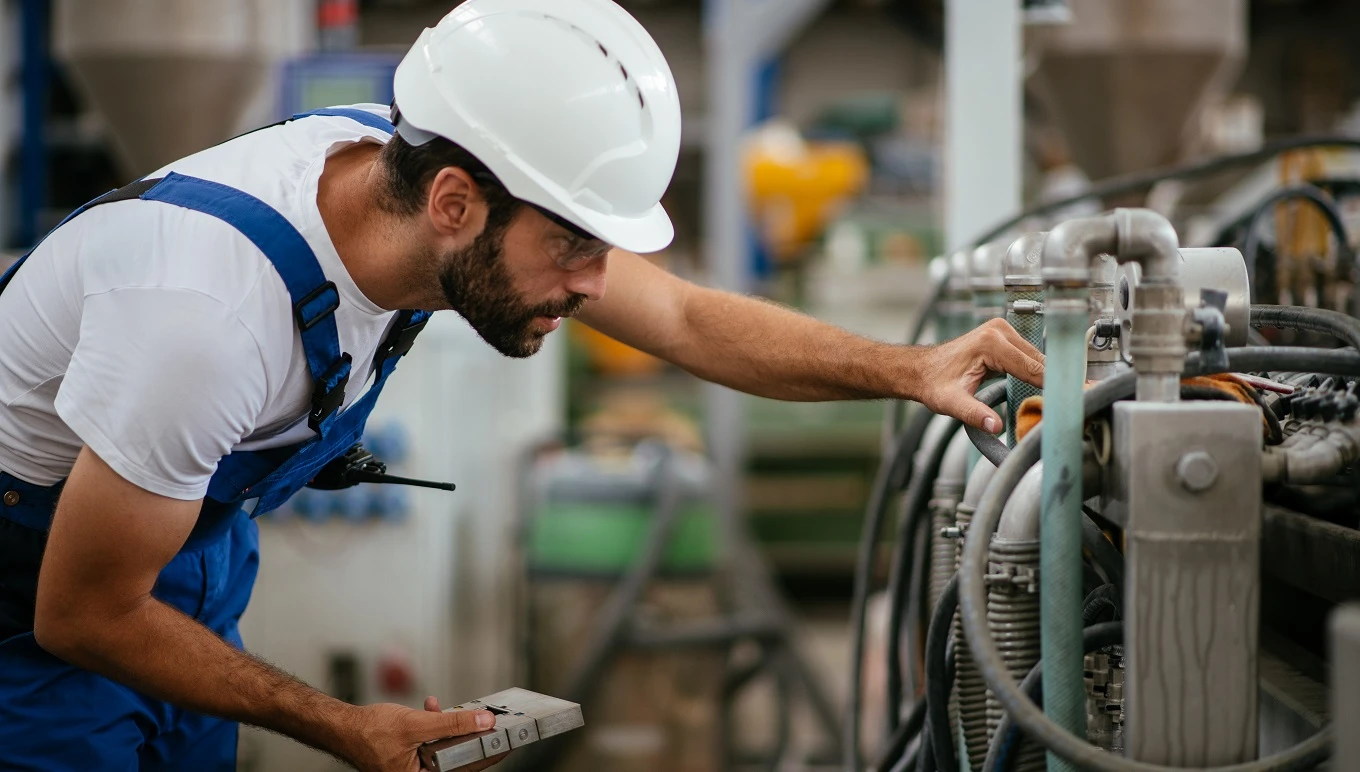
11, 498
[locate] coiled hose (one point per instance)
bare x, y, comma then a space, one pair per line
1131, 183
893, 473
903, 562
1333, 323
1319, 198
971, 586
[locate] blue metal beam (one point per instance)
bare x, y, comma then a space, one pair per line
33, 156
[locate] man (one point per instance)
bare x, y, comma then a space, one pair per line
205, 337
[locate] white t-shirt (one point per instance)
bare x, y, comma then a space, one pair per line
162, 338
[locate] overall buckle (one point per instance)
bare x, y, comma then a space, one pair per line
328, 399
316, 306
400, 341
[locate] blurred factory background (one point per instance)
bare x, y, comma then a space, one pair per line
832, 148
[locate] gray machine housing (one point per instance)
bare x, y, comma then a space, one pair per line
522, 717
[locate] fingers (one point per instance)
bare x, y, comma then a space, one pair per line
432, 704
461, 722
972, 412
1009, 353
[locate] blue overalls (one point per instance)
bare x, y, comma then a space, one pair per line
56, 717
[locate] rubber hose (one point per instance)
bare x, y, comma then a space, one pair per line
972, 588
906, 732
1130, 183
892, 473
937, 685
1313, 194
1106, 597
925, 755
914, 510
1105, 554
1334, 323
989, 445
1093, 638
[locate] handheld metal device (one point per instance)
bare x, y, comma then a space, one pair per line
522, 717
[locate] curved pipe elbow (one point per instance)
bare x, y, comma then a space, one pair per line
986, 272
1149, 239
1131, 235
1022, 265
1070, 248
1020, 517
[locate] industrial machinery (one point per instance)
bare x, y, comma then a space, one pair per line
1140, 573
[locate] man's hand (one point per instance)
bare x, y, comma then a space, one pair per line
952, 372
390, 735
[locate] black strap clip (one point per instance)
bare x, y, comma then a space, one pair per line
326, 399
401, 339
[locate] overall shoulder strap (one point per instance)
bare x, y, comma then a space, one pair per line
314, 297
361, 116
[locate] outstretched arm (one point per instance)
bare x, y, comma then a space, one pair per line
765, 349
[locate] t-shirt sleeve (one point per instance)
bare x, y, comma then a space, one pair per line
162, 384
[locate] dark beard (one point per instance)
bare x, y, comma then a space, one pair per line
478, 286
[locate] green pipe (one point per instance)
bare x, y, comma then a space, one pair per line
1060, 602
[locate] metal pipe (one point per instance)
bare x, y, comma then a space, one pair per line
957, 309
1158, 347
948, 491
987, 281
1020, 518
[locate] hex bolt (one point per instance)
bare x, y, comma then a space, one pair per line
1197, 471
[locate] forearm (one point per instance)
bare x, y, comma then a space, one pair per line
765, 349
163, 653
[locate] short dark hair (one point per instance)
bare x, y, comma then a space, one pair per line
410, 169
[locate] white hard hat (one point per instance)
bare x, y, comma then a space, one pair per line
568, 102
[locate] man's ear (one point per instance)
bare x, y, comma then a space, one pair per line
451, 197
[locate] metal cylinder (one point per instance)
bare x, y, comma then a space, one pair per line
1218, 268
1013, 615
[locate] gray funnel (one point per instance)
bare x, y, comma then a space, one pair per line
1126, 80
171, 77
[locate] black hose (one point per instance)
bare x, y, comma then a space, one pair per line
1105, 554
1130, 183
892, 473
906, 732
989, 445
1272, 420
1206, 394
925, 755
1305, 192
972, 588
1334, 323
1105, 598
938, 685
1093, 638
914, 509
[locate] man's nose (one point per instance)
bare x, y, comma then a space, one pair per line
589, 281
